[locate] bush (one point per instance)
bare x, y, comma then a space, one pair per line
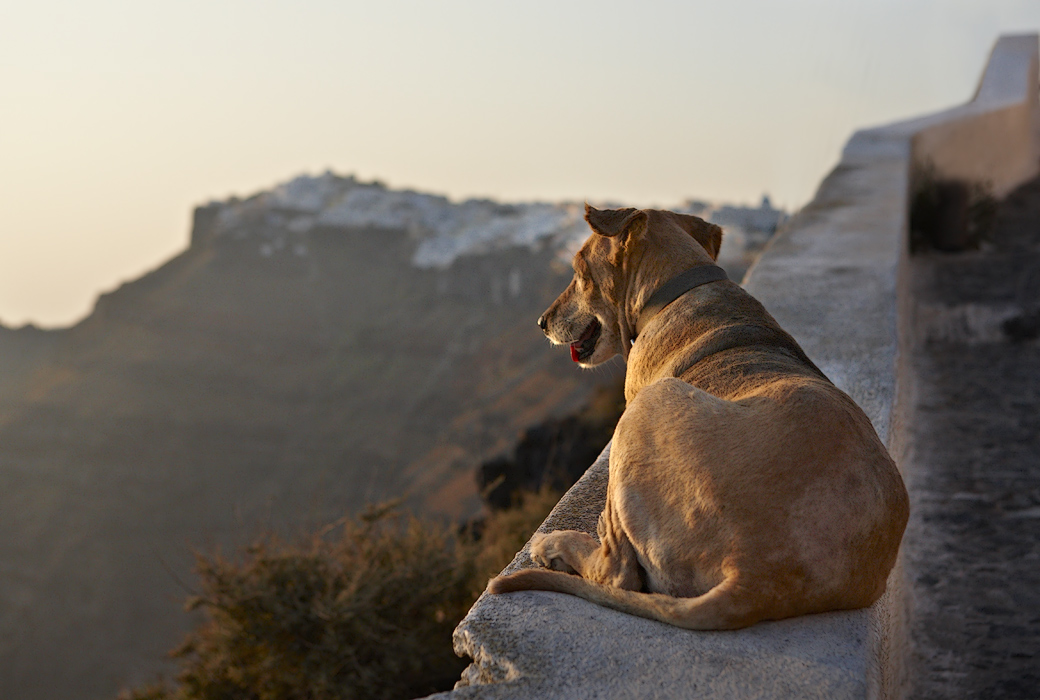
363, 609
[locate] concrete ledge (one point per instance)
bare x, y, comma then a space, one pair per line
833, 279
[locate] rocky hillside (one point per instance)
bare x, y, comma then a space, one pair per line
319, 346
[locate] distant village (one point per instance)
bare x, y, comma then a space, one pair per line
278, 220
759, 221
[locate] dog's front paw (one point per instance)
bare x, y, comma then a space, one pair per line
545, 551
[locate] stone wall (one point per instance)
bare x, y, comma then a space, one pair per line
835, 279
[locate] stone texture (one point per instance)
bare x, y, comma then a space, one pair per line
565, 647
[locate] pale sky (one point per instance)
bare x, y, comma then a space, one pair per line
117, 117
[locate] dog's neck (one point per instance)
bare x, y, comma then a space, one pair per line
655, 287
645, 270
675, 288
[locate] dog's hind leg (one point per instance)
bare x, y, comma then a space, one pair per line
612, 562
563, 550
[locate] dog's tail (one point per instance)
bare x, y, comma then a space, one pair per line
720, 608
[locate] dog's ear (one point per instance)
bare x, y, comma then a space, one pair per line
612, 222
707, 234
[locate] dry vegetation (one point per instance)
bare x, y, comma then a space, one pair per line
365, 608
362, 609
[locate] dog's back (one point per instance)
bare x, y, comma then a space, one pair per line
743, 484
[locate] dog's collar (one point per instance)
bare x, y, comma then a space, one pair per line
675, 288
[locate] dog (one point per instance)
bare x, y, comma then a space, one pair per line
743, 485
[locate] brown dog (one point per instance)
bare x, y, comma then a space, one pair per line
744, 486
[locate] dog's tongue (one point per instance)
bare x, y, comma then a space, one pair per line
574, 353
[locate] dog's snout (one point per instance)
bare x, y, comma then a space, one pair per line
542, 323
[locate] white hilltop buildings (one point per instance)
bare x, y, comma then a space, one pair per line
279, 220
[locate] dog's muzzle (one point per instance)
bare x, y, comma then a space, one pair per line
583, 347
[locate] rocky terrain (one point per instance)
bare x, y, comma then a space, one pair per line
319, 346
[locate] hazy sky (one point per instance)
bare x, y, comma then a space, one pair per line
118, 117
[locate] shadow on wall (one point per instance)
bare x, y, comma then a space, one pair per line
949, 215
